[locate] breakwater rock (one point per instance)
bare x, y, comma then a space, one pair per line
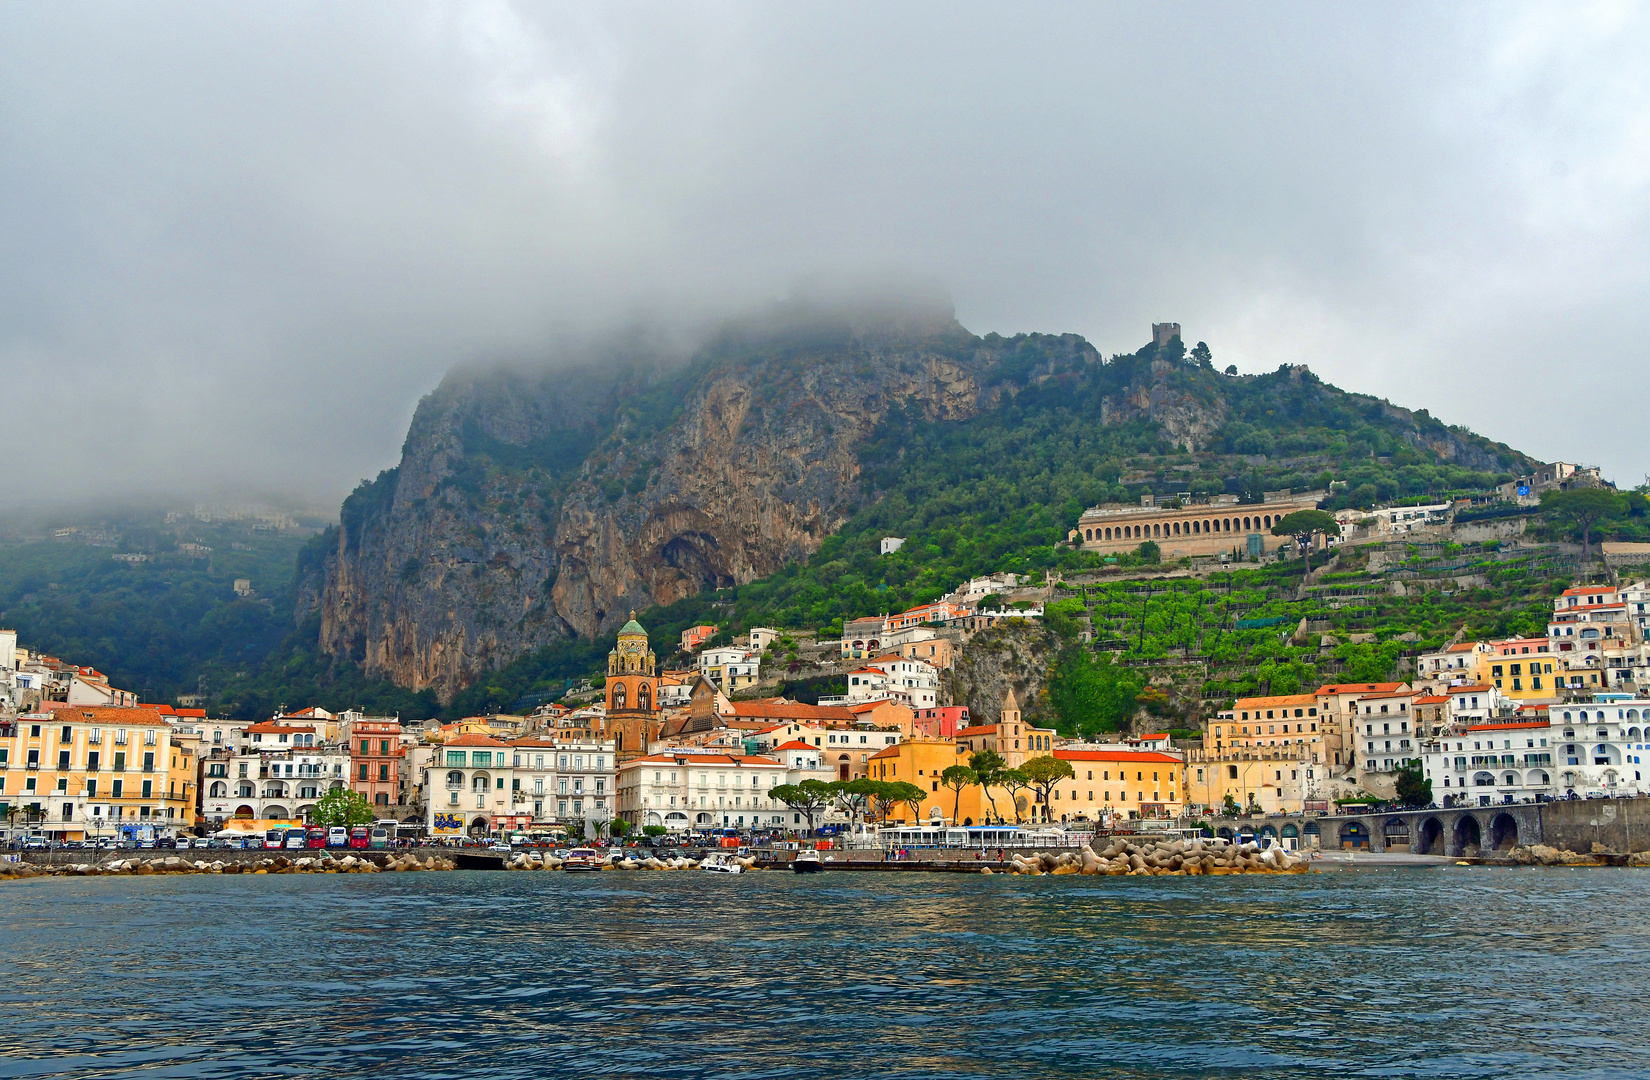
1120, 857
275, 864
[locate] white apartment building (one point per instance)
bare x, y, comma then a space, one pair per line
269, 784
914, 682
1383, 731
685, 790
1580, 750
476, 784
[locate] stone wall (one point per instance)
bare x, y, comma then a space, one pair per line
1619, 824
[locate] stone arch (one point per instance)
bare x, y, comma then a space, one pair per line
1504, 832
1395, 834
275, 812
1354, 835
1225, 833
478, 826
1432, 834
246, 812
1469, 835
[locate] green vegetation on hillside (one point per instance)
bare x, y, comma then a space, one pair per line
156, 627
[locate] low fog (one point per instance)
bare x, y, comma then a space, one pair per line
238, 242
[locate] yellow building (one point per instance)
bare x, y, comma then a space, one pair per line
1122, 783
76, 772
1277, 753
1523, 669
922, 762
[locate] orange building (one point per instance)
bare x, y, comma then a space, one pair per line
375, 760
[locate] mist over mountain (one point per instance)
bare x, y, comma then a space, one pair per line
529, 508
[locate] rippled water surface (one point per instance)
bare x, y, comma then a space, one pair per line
1435, 973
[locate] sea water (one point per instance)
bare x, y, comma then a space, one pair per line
1443, 972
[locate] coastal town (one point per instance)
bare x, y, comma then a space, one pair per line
695, 751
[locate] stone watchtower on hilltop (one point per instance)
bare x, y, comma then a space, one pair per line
1164, 332
633, 718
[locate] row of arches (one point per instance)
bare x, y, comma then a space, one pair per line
1189, 527
272, 790
1466, 836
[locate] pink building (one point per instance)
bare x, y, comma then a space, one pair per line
940, 723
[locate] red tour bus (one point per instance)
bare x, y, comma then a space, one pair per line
316, 836
360, 836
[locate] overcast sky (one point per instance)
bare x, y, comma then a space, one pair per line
238, 242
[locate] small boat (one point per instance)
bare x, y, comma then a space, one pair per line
721, 864
582, 858
807, 862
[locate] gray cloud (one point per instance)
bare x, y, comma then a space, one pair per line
237, 243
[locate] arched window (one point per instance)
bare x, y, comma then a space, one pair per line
644, 698
455, 779
480, 783
618, 696
220, 790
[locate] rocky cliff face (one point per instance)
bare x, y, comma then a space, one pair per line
527, 509
532, 507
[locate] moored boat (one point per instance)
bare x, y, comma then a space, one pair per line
807, 862
580, 859
721, 864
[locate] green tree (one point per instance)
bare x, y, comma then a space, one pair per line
901, 791
1044, 775
988, 766
1091, 694
1229, 806
807, 798
1015, 781
341, 808
1203, 357
1149, 552
1580, 511
654, 830
854, 798
1412, 789
617, 828
1302, 524
957, 777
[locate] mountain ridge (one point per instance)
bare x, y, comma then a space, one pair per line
532, 508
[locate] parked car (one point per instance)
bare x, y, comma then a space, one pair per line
36, 843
